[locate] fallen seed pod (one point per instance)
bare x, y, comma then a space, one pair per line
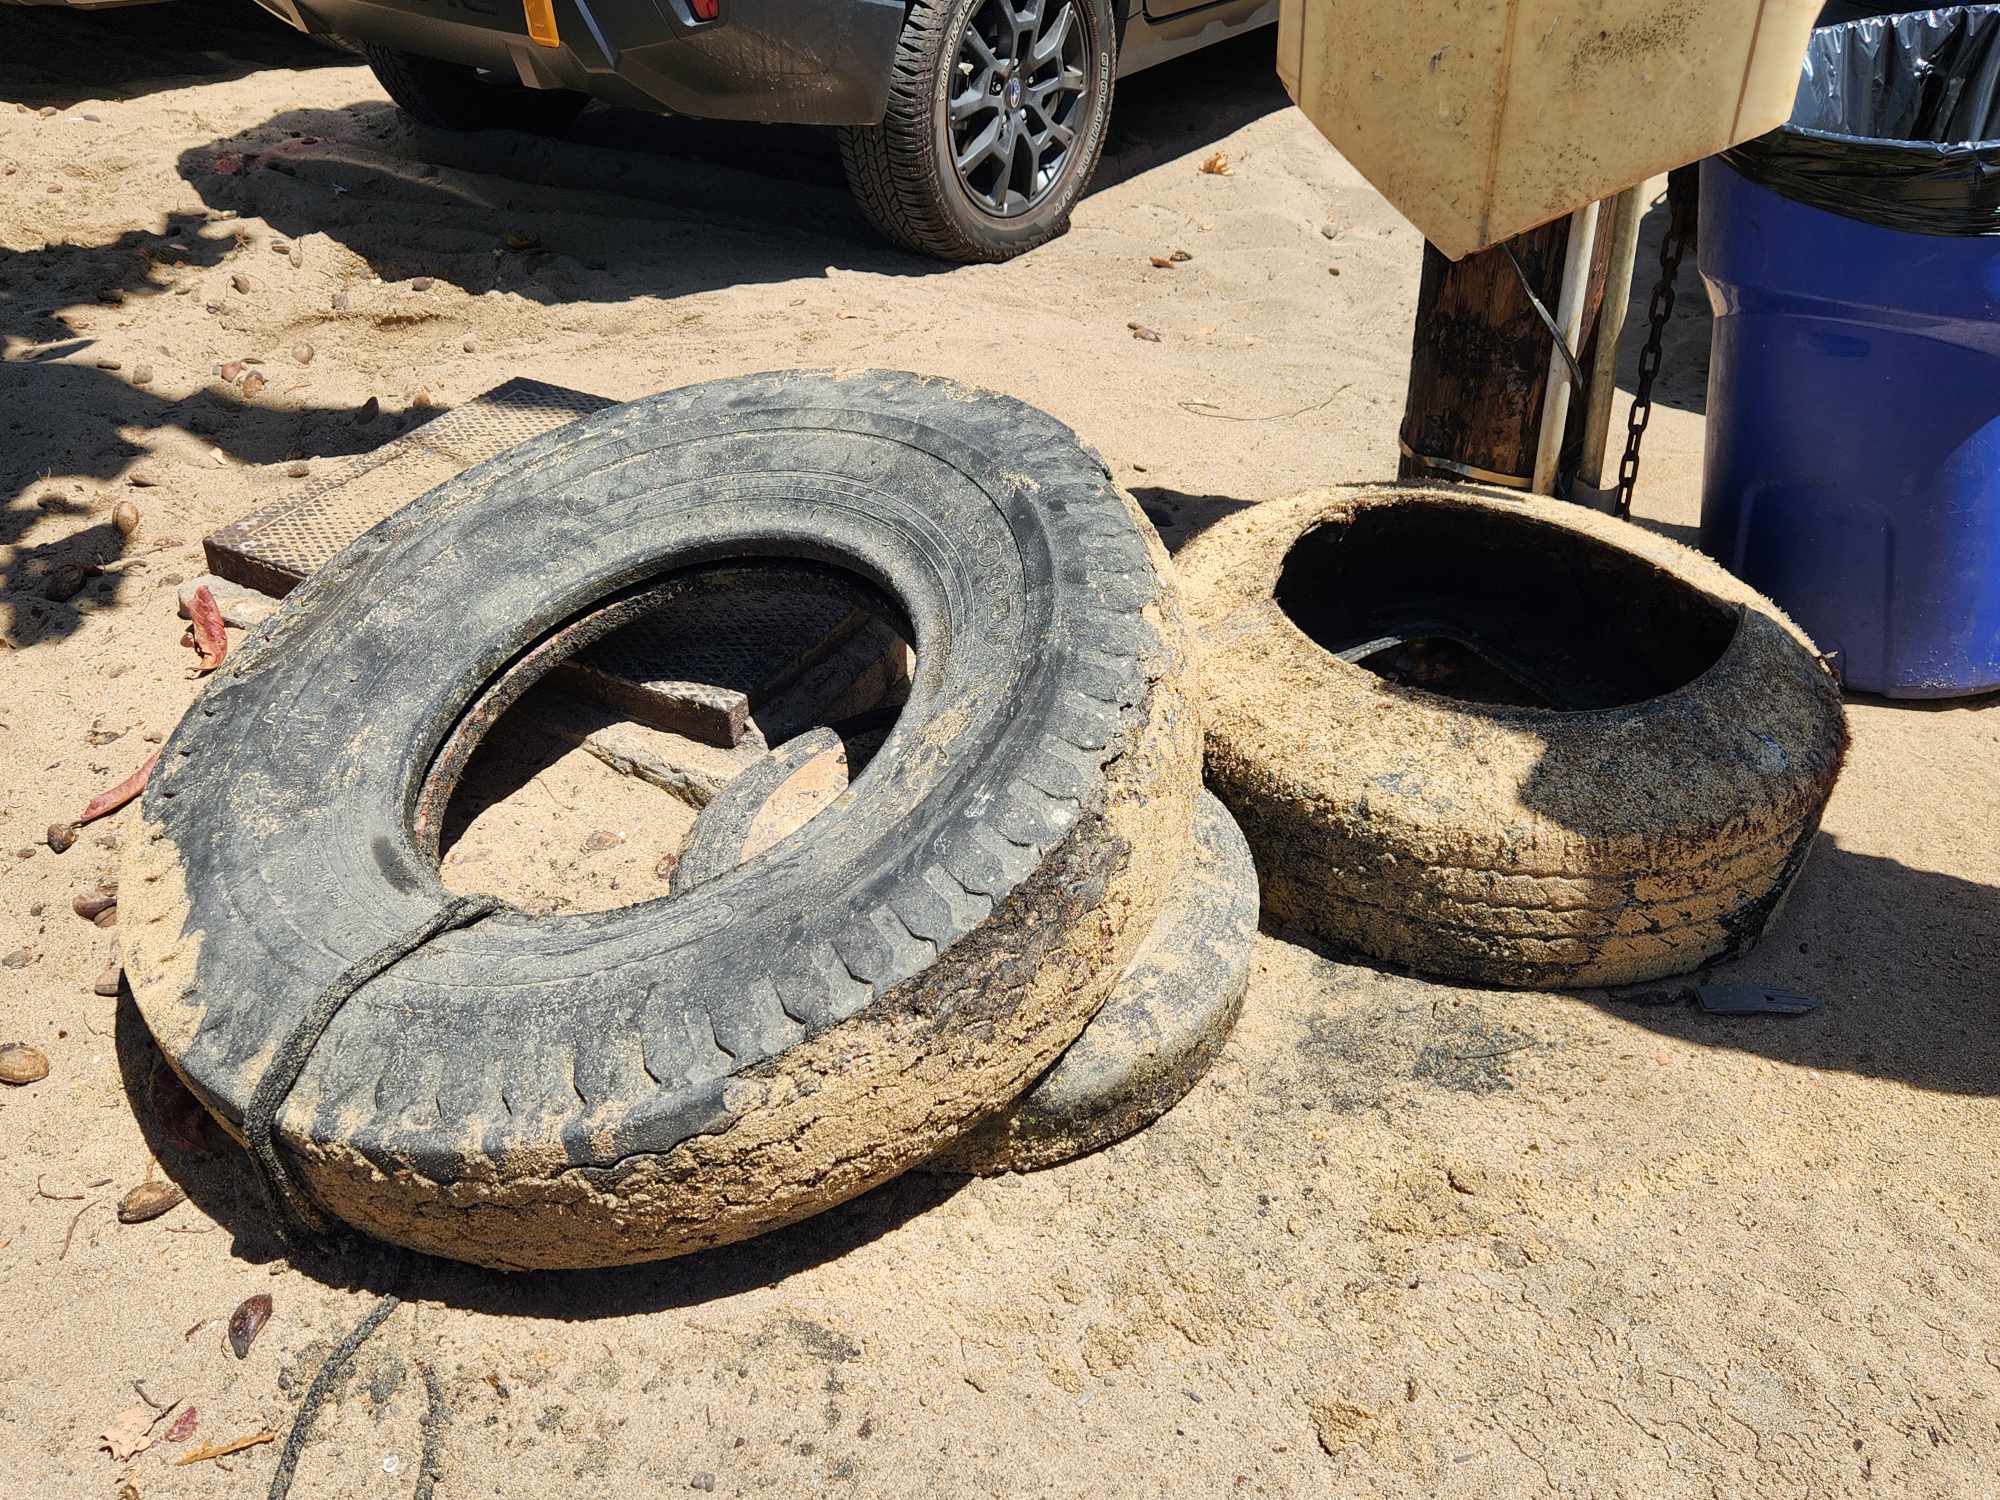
125, 516
247, 1322
21, 1063
148, 1201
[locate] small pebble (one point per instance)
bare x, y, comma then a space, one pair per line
420, 283
21, 1064
143, 478
125, 516
107, 983
704, 1481
88, 904
298, 468
142, 375
521, 239
1140, 331
303, 353
603, 838
296, 256
341, 302
109, 364
61, 836
20, 958
470, 346
148, 1201
252, 383
279, 247
242, 283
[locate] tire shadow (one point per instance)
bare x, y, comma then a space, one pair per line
1902, 960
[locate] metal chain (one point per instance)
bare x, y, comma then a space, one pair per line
1673, 244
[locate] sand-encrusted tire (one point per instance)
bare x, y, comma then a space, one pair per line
1631, 800
592, 1089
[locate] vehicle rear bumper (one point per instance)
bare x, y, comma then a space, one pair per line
826, 62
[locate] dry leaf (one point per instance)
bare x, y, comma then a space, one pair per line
1163, 263
209, 637
119, 795
1217, 165
184, 1426
223, 1450
126, 1437
247, 1322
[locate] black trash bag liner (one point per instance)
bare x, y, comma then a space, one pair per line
1897, 123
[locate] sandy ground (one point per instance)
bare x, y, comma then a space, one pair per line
1406, 1239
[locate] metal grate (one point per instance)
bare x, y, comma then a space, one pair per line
699, 666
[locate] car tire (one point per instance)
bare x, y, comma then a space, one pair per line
452, 96
609, 1087
1639, 812
904, 171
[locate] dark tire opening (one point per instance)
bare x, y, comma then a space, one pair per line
1485, 607
554, 803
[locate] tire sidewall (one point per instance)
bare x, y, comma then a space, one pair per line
1000, 237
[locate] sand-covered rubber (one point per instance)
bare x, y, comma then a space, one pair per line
1608, 842
1167, 1017
602, 1088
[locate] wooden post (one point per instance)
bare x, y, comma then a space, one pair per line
1479, 363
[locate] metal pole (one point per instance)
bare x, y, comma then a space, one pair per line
1626, 210
1569, 318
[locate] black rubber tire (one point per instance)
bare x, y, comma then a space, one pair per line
594, 1089
452, 96
898, 170
1614, 840
1166, 1019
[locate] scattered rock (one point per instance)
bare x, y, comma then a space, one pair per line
107, 983
341, 302
241, 283
240, 607
148, 1201
1180, 257
109, 364
1333, 270
279, 247
1141, 331
603, 838
421, 401
21, 1064
420, 283
61, 836
471, 345
67, 581
303, 353
521, 239
664, 870
88, 904
252, 383
704, 1481
1329, 231
20, 958
297, 256
125, 516
142, 375
143, 477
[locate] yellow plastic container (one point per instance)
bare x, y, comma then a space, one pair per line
1479, 119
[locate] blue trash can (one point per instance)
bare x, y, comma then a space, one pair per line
1852, 260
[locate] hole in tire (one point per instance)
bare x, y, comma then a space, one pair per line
1485, 607
580, 796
